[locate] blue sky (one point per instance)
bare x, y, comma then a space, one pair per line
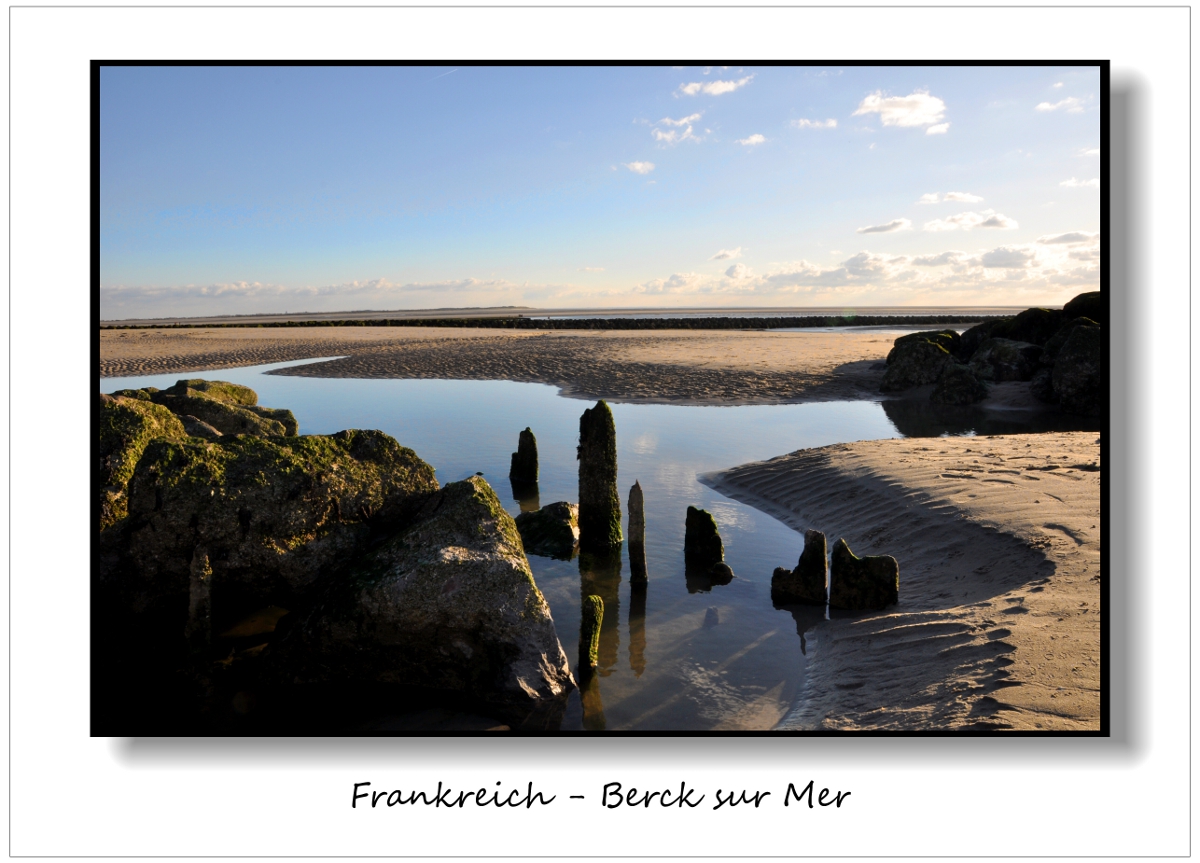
256, 189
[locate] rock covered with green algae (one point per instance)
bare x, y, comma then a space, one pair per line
948, 339
1000, 359
958, 385
1033, 326
913, 363
552, 531
1078, 372
862, 583
127, 426
806, 583
599, 503
273, 514
448, 603
229, 418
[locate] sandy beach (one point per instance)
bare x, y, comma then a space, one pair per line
998, 540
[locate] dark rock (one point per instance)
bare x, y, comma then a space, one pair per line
127, 426
1055, 343
971, 339
1078, 372
592, 618
274, 514
448, 603
552, 531
637, 535
524, 466
198, 630
859, 583
712, 617
722, 573
1034, 326
702, 548
1005, 360
198, 428
948, 339
1089, 305
599, 503
806, 583
1041, 387
958, 385
913, 363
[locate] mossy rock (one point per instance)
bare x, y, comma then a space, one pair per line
140, 395
958, 385
199, 428
1079, 372
1005, 360
1055, 343
971, 339
862, 583
274, 514
1088, 305
702, 546
283, 416
552, 531
804, 585
1034, 326
448, 604
1041, 386
948, 339
127, 426
227, 417
913, 363
222, 391
599, 503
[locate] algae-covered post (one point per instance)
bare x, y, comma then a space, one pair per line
599, 503
524, 466
637, 535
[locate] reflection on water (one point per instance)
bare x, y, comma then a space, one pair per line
922, 418
525, 494
702, 579
742, 672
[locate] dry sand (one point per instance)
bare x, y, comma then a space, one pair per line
696, 367
998, 540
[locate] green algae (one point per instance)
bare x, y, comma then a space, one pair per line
127, 425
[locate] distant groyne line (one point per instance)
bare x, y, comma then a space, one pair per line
524, 323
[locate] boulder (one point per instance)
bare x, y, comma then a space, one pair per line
861, 583
805, 584
198, 428
948, 339
971, 339
127, 426
226, 417
447, 604
273, 514
552, 531
958, 385
1089, 305
1055, 343
599, 503
913, 363
524, 465
1041, 387
637, 535
702, 548
1078, 372
222, 391
1034, 326
1005, 360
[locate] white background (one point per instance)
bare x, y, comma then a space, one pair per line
71, 794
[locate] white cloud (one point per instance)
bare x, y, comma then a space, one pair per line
1072, 183
962, 197
639, 167
726, 254
915, 109
942, 260
591, 269
682, 121
739, 271
931, 198
713, 88
677, 130
969, 220
1070, 237
893, 225
1089, 151
815, 124
1007, 257
1071, 104
752, 141
1059, 84
939, 129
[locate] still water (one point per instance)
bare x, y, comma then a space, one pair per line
673, 654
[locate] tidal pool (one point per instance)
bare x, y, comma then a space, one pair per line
674, 654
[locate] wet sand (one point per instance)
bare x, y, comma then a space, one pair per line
998, 540
691, 367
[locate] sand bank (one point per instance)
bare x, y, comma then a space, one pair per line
673, 365
998, 540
